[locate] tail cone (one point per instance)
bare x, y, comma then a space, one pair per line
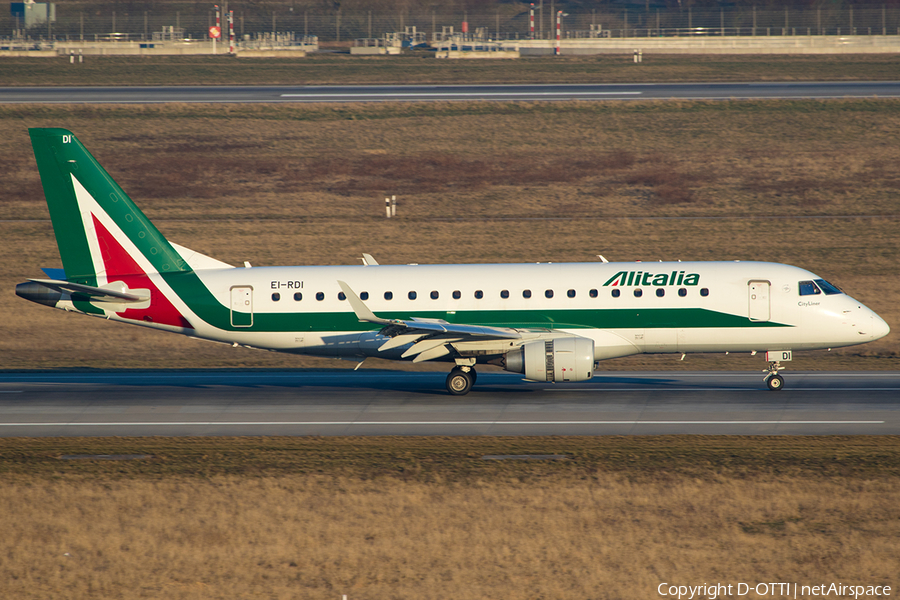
38, 293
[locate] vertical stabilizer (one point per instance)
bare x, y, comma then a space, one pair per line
100, 232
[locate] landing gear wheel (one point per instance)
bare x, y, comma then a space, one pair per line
459, 382
773, 380
473, 375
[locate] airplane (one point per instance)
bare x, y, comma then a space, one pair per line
549, 322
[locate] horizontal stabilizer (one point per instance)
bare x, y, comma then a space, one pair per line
95, 293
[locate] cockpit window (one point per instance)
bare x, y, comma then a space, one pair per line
808, 288
829, 288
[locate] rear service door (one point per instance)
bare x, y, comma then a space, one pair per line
759, 300
242, 306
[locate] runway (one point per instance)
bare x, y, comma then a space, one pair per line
418, 93
343, 402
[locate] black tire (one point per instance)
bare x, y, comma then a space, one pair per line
459, 383
473, 375
775, 382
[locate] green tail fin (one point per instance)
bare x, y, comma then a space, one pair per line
88, 208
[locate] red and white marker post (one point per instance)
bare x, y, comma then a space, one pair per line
230, 32
558, 19
532, 20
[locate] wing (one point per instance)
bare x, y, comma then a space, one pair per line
430, 337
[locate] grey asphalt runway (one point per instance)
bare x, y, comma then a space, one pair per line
342, 402
650, 91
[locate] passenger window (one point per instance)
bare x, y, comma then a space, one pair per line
298, 296
682, 292
276, 296
526, 293
479, 294
341, 296
504, 294
320, 296
411, 295
389, 295
616, 292
638, 292
592, 293
434, 295
660, 292
570, 293
829, 288
704, 292
808, 288
457, 294
548, 293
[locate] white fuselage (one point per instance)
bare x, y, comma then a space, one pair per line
702, 306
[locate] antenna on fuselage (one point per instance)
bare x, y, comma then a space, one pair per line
603, 258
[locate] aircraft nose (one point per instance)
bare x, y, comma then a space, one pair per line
879, 327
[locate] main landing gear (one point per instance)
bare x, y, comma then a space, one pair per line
460, 380
773, 380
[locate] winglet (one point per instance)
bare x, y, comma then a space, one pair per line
368, 260
362, 311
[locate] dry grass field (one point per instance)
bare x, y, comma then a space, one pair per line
429, 518
811, 183
423, 68
808, 183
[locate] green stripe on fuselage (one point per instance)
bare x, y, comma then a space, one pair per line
189, 287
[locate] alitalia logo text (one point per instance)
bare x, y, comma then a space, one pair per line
626, 278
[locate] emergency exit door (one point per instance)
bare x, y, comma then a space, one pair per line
241, 306
759, 300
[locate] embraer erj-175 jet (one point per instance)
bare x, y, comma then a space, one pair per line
550, 322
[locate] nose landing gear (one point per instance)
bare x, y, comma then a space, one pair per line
773, 380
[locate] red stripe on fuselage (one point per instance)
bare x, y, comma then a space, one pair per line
120, 266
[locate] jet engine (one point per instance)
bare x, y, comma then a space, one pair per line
557, 359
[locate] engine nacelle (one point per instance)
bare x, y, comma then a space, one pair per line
557, 359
